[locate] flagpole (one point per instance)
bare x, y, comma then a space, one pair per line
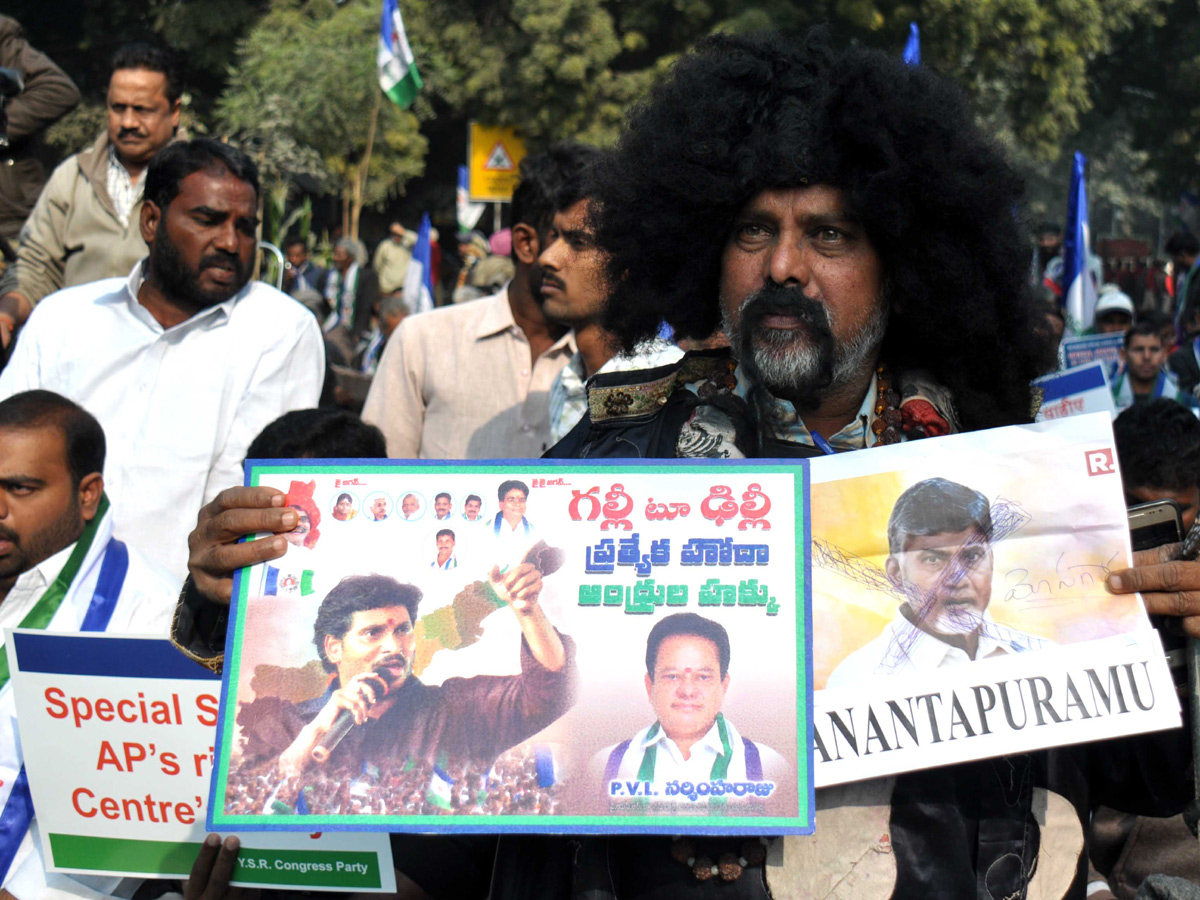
361, 184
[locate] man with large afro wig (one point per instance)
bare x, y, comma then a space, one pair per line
858, 239
931, 199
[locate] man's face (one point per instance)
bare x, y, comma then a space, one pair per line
141, 120
1188, 500
801, 292
946, 578
572, 270
441, 506
513, 505
341, 259
379, 508
40, 510
202, 245
1050, 240
409, 505
1113, 322
445, 547
341, 509
377, 640
472, 509
297, 535
297, 255
1144, 356
687, 689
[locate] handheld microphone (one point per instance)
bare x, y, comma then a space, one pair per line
342, 723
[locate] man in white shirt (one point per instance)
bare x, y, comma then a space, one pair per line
186, 360
60, 570
940, 558
573, 294
687, 676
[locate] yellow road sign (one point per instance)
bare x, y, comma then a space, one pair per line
494, 157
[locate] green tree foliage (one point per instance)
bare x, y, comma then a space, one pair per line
305, 79
570, 68
1152, 78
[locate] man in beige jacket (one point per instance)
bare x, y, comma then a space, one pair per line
85, 224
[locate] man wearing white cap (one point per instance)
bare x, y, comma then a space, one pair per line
1114, 311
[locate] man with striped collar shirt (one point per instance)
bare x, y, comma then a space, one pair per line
687, 677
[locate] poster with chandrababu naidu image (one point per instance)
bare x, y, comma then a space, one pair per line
526, 646
960, 605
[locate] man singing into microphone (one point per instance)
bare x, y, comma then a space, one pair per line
364, 634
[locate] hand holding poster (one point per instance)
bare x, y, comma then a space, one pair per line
563, 647
118, 739
959, 599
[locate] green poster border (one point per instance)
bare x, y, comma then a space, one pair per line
801, 823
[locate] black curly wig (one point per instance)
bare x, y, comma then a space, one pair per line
939, 201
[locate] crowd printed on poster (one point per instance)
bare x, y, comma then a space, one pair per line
1075, 392
118, 734
523, 646
959, 595
1079, 351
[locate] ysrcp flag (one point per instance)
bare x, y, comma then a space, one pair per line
1077, 280
418, 283
398, 75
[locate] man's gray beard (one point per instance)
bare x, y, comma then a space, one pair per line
798, 372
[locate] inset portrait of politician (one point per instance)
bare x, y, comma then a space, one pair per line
692, 753
376, 715
940, 564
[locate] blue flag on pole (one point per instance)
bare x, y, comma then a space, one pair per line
912, 47
1079, 292
418, 283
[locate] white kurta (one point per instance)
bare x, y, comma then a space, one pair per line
179, 406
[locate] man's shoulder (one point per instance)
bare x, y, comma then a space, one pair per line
76, 166
150, 592
1183, 360
602, 759
265, 306
437, 323
865, 662
64, 307
1016, 640
631, 394
647, 408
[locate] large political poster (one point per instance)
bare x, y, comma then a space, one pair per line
960, 607
523, 646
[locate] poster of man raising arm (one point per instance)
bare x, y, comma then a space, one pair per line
465, 677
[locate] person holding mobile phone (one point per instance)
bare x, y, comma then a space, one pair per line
1158, 446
